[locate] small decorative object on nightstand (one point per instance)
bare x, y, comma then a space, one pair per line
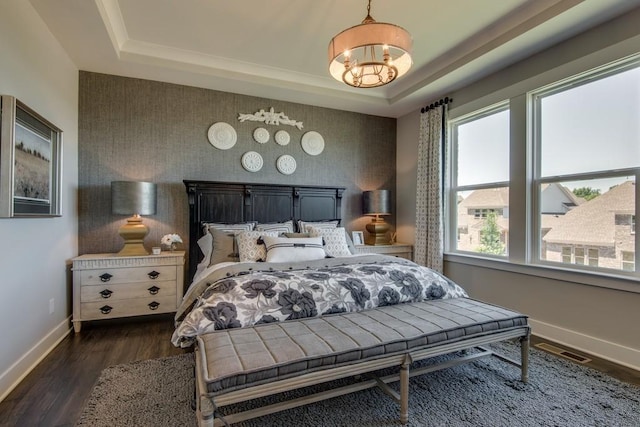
401, 250
170, 241
106, 286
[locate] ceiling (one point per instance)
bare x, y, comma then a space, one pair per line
277, 49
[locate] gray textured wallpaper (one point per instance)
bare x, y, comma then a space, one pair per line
132, 129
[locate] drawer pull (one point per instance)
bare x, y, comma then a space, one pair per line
105, 293
153, 290
105, 309
154, 305
106, 277
153, 275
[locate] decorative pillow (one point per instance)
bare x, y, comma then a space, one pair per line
296, 235
206, 246
335, 241
285, 249
352, 247
251, 248
302, 225
280, 227
225, 248
223, 244
243, 226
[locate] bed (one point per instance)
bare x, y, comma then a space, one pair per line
278, 301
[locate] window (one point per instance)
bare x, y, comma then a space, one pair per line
593, 257
482, 213
548, 177
586, 160
478, 194
628, 261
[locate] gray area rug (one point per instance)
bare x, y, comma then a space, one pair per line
486, 392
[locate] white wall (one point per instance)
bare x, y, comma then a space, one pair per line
35, 252
563, 307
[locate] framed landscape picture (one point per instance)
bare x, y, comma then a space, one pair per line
30, 162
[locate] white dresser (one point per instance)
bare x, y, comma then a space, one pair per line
106, 286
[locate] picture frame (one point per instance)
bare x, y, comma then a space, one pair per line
358, 238
30, 162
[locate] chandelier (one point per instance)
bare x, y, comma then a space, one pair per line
371, 54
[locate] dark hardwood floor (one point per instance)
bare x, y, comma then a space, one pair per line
55, 392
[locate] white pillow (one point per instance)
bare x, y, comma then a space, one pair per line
206, 246
280, 227
302, 225
285, 249
243, 226
249, 248
335, 241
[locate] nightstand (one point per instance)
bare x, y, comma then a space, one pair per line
106, 286
401, 250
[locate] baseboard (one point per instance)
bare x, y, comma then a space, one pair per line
616, 353
23, 366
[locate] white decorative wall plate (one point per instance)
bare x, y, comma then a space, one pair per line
286, 164
252, 161
312, 143
261, 135
222, 135
282, 137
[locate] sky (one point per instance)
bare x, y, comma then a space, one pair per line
587, 128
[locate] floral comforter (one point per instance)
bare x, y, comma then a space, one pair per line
249, 294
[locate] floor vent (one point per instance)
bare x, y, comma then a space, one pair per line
562, 352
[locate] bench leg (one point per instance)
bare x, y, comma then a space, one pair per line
205, 412
524, 358
404, 392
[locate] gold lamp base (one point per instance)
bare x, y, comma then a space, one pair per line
377, 229
133, 233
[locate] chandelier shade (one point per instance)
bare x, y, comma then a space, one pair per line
371, 54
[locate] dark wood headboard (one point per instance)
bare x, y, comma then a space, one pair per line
229, 202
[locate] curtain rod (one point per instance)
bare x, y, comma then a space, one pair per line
443, 101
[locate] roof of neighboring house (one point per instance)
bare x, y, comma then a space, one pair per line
593, 222
489, 198
550, 220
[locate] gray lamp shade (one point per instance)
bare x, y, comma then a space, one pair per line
376, 202
133, 197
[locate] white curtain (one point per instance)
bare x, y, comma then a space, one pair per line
429, 245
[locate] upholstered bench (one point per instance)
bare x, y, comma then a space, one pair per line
236, 365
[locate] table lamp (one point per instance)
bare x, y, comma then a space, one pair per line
133, 198
377, 203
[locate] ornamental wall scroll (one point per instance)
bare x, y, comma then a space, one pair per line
270, 118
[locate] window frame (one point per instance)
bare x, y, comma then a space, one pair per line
452, 188
533, 99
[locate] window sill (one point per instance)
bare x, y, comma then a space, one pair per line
602, 280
